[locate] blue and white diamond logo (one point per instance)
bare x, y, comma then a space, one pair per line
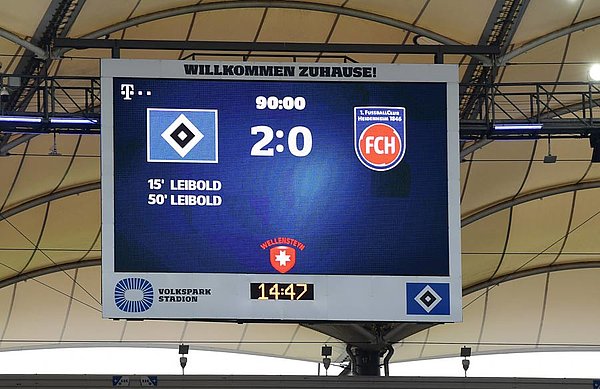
431, 298
182, 135
428, 299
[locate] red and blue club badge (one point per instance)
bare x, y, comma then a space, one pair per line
380, 136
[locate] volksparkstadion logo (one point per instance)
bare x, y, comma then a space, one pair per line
134, 295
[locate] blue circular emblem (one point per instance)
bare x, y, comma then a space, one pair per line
134, 295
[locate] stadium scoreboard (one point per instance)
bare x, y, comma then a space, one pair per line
280, 191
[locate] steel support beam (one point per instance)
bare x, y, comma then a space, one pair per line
56, 22
14, 143
576, 107
558, 128
528, 197
470, 76
498, 32
474, 147
531, 272
38, 51
504, 59
299, 5
37, 201
307, 6
49, 270
84, 43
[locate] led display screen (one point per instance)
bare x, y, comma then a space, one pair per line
268, 192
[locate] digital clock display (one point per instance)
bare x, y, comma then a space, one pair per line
281, 291
306, 182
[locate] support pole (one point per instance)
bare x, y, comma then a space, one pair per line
386, 360
115, 51
366, 359
367, 362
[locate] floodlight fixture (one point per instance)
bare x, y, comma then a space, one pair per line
21, 119
594, 72
549, 158
465, 352
55, 121
183, 363
183, 350
465, 365
326, 353
74, 121
518, 127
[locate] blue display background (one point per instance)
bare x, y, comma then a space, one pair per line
352, 220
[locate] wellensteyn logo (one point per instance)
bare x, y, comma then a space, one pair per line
134, 295
182, 295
